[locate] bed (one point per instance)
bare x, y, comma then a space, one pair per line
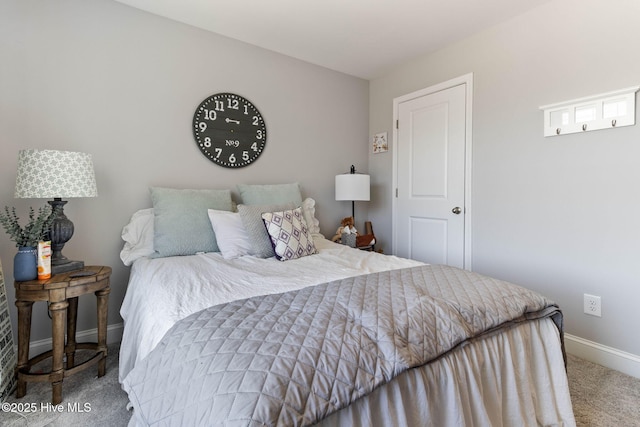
230, 337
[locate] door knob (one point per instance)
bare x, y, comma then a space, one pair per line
456, 210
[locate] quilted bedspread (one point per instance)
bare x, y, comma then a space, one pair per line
294, 358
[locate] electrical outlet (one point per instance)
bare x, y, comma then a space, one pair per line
592, 305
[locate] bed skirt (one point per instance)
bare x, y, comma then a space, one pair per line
515, 378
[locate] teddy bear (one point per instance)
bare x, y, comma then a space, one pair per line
353, 238
346, 227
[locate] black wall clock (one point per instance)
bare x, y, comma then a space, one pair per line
229, 130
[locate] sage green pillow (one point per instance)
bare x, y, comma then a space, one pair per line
181, 220
270, 194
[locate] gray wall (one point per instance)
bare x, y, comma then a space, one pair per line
558, 215
553, 214
99, 77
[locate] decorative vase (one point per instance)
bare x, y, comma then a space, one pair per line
25, 264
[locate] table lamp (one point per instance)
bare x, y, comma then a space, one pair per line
57, 175
352, 186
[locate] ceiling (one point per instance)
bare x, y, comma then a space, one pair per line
364, 38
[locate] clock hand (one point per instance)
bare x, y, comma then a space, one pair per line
228, 120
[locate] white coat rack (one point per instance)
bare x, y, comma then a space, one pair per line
604, 111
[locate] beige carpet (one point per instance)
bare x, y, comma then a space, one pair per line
87, 400
601, 398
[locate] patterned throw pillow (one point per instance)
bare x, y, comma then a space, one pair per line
289, 234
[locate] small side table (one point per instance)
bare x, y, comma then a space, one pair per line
368, 231
61, 292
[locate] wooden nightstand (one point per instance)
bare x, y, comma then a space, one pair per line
61, 292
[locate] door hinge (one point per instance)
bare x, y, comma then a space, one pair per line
397, 124
396, 193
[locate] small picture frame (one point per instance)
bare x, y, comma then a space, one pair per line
380, 144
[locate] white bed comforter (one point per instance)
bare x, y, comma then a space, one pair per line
164, 290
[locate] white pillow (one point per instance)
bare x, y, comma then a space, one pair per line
232, 238
138, 237
309, 213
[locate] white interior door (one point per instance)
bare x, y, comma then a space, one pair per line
429, 213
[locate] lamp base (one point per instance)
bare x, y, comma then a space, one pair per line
69, 266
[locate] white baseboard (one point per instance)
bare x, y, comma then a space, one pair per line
114, 335
609, 357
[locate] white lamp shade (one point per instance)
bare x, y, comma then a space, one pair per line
44, 174
352, 186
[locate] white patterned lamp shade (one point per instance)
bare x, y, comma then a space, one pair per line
51, 173
57, 175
